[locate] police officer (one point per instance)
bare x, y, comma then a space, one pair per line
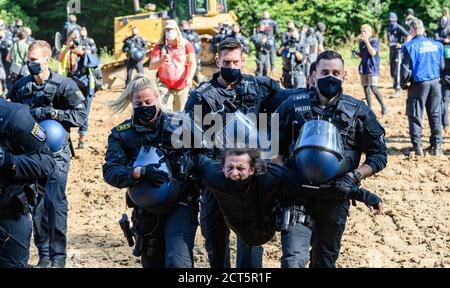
290, 28
163, 238
443, 29
222, 31
193, 37
79, 63
70, 26
361, 133
294, 62
397, 35
262, 47
24, 157
6, 43
16, 28
51, 96
420, 72
236, 34
409, 18
248, 94
311, 49
271, 31
129, 44
86, 42
319, 35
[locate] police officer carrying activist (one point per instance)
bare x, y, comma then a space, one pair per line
248, 189
249, 94
422, 63
24, 157
262, 47
397, 35
271, 30
294, 62
360, 132
135, 46
164, 228
189, 34
51, 96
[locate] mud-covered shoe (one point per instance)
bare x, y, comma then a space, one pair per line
80, 145
436, 150
59, 263
418, 151
44, 263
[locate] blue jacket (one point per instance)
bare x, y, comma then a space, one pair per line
423, 60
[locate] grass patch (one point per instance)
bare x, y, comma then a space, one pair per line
106, 56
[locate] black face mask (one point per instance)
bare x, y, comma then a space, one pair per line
34, 67
145, 113
329, 86
230, 75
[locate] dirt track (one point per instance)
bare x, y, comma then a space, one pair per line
415, 232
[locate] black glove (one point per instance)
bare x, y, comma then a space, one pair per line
347, 188
185, 163
5, 159
369, 198
42, 113
155, 176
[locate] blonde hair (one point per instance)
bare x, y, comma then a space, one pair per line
43, 45
368, 27
139, 83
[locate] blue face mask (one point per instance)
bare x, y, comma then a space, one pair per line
230, 75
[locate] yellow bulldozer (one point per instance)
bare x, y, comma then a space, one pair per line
204, 16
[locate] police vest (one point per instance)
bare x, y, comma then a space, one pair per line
44, 97
344, 117
247, 98
426, 58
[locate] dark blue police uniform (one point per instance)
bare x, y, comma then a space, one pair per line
361, 133
251, 95
24, 158
161, 240
58, 98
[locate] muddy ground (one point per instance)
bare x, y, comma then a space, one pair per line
414, 232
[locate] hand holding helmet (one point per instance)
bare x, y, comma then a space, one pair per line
155, 176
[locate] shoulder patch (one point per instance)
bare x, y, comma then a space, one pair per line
124, 126
203, 86
80, 95
38, 132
